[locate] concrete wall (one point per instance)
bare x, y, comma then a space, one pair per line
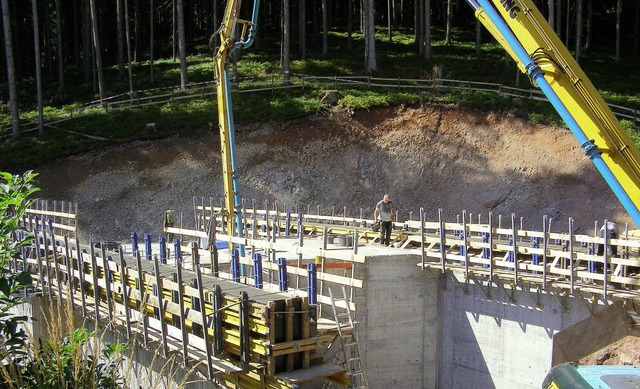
398, 323
420, 332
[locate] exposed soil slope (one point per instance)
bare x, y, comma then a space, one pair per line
432, 157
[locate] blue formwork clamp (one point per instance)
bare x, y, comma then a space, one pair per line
235, 265
287, 225
257, 270
535, 243
510, 253
535, 258
134, 243
312, 286
147, 246
264, 226
282, 274
461, 234
162, 242
177, 252
485, 250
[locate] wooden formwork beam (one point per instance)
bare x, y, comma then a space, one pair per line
265, 334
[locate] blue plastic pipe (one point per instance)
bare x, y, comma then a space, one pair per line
282, 274
177, 253
162, 243
536, 74
257, 270
312, 286
235, 265
147, 246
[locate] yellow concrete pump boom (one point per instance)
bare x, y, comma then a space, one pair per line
230, 40
522, 30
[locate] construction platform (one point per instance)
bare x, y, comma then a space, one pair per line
276, 315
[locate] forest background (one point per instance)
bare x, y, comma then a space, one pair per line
63, 57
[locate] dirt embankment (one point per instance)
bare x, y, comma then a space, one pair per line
432, 157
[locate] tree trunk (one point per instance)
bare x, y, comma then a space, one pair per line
427, 30
618, 17
11, 71
86, 42
36, 45
325, 33
447, 37
578, 29
136, 31
182, 45
76, 33
127, 36
478, 37
567, 24
302, 32
60, 41
285, 42
636, 29
96, 46
174, 29
589, 41
349, 25
389, 14
369, 36
120, 35
559, 18
552, 13
151, 22
417, 16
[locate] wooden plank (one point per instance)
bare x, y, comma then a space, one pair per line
289, 330
124, 279
158, 290
305, 331
107, 278
185, 355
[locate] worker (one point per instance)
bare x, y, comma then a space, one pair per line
611, 230
612, 233
385, 212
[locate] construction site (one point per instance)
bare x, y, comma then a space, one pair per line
270, 273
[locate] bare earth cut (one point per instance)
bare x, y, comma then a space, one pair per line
431, 157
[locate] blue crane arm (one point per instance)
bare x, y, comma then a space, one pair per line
524, 33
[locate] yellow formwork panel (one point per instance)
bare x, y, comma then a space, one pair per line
574, 89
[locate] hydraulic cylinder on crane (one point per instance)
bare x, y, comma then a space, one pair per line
230, 39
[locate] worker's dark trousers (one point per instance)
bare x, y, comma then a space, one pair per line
385, 233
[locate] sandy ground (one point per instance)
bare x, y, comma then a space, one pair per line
435, 157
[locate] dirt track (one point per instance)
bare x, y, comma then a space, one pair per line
432, 157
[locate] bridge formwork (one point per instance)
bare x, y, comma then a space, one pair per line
448, 305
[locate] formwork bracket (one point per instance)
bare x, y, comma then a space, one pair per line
510, 292
561, 296
485, 289
536, 295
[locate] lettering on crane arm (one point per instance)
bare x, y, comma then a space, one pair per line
511, 7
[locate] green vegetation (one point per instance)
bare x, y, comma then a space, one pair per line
64, 361
260, 69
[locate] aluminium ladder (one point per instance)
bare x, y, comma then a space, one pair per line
350, 355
